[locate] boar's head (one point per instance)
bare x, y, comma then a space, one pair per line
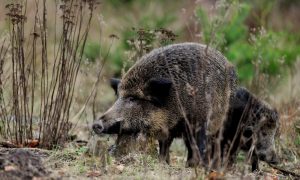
258, 123
265, 136
261, 125
137, 110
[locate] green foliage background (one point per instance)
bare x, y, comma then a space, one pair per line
271, 52
254, 48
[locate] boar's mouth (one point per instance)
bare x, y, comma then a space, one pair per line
115, 128
273, 160
112, 128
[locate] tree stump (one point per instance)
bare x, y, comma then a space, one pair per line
139, 143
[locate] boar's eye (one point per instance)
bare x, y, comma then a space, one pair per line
135, 99
131, 98
247, 133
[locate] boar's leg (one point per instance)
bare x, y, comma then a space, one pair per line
193, 158
201, 142
254, 162
164, 150
230, 147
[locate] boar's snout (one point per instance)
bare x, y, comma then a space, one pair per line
107, 125
98, 127
274, 160
269, 157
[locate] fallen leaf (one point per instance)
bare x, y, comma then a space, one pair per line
274, 171
33, 143
10, 168
215, 175
37, 178
271, 177
93, 174
120, 167
62, 173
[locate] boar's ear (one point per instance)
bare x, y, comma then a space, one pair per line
114, 83
158, 89
243, 94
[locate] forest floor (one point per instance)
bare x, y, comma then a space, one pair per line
75, 162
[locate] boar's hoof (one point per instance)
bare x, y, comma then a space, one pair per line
164, 159
192, 162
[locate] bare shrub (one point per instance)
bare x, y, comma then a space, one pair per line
42, 85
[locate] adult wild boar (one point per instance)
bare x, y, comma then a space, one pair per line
251, 126
173, 90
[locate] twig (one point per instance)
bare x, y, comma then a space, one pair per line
284, 171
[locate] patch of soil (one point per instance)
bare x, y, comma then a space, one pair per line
21, 164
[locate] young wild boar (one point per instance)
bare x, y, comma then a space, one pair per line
173, 90
251, 126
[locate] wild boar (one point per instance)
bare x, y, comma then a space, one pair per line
251, 126
173, 90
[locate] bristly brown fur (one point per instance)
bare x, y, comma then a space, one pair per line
180, 85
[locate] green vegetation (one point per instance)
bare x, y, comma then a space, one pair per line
240, 30
257, 50
91, 51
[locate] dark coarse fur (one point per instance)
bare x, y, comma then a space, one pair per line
177, 89
251, 123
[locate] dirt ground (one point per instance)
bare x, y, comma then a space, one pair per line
22, 163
